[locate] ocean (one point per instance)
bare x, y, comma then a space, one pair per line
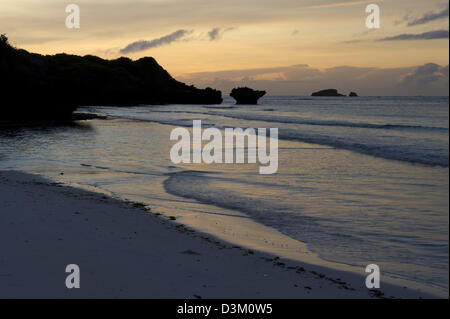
360, 180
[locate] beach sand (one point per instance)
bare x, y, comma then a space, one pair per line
124, 250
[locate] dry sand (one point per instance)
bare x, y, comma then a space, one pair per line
124, 250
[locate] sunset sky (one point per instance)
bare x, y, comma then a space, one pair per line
277, 45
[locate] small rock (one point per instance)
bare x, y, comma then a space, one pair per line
246, 95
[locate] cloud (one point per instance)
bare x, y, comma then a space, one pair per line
427, 79
333, 4
428, 17
144, 45
352, 41
431, 35
216, 33
426, 75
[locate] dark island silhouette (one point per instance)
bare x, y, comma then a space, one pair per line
327, 92
246, 95
332, 92
51, 87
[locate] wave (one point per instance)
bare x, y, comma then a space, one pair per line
301, 121
293, 120
323, 235
201, 187
391, 152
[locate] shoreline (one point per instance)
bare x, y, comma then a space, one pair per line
72, 120
125, 250
259, 237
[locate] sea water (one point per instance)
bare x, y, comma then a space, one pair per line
360, 180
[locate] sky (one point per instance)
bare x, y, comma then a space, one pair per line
287, 47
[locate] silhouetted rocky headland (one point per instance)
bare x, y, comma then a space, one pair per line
246, 95
35, 86
353, 94
328, 92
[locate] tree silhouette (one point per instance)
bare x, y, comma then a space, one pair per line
36, 86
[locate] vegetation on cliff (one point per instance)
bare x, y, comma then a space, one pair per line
52, 86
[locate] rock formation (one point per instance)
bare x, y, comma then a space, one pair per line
35, 86
246, 95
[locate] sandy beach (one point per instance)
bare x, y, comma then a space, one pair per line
124, 250
224, 152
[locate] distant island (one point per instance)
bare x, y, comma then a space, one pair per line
328, 92
332, 92
38, 86
246, 95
